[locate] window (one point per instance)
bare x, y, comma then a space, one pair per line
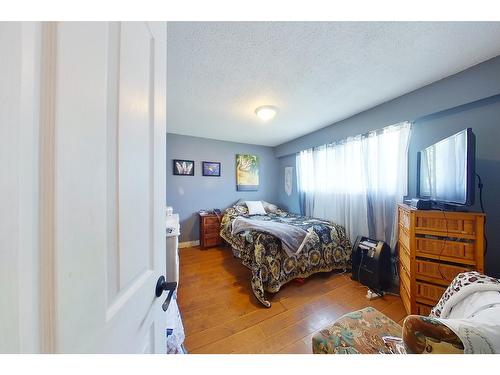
357, 182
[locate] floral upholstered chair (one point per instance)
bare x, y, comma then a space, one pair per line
465, 320
368, 331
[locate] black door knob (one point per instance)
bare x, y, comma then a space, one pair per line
162, 285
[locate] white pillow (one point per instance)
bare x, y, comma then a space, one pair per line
269, 207
255, 208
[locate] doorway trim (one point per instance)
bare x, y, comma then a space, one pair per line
47, 186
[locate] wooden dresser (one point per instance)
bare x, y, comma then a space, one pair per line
209, 230
434, 246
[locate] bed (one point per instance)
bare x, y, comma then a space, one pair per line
327, 248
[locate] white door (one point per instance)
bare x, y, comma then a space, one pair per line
102, 140
19, 262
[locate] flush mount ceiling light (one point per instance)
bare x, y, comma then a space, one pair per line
266, 112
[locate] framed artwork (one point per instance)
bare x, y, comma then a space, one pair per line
183, 167
288, 180
211, 168
247, 172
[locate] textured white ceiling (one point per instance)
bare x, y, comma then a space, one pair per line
316, 73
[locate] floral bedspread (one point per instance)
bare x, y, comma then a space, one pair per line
326, 250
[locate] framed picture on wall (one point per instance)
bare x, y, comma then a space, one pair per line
183, 167
247, 172
211, 168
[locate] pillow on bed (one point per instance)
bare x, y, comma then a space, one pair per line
255, 208
239, 202
269, 207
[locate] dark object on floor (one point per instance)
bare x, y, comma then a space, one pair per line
371, 263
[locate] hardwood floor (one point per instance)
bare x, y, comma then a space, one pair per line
221, 315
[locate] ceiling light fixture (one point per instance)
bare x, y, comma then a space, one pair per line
266, 112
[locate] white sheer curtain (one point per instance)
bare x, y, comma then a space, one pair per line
357, 182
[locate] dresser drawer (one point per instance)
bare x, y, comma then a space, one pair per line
453, 250
404, 257
207, 236
211, 221
404, 218
211, 241
441, 273
424, 310
404, 236
211, 229
429, 292
445, 224
405, 297
404, 277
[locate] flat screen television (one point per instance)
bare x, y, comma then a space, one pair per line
446, 170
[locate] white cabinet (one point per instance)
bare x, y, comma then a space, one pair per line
175, 329
172, 247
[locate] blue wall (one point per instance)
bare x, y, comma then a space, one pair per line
289, 203
476, 83
468, 99
483, 117
189, 194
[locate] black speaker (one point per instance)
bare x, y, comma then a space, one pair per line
371, 263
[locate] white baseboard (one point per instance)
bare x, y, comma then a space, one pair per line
188, 244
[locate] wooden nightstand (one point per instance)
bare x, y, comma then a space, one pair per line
209, 230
